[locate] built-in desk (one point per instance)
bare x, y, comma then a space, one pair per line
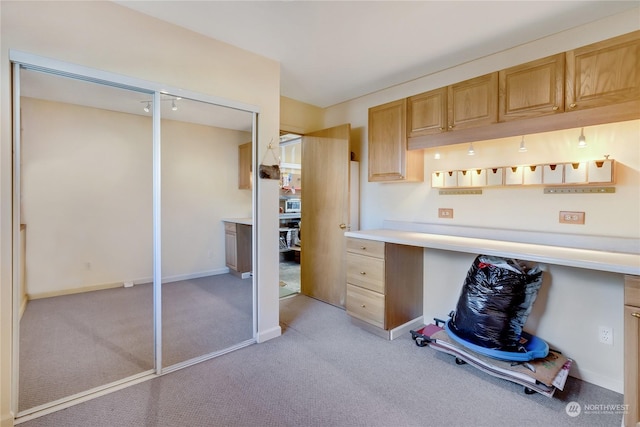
614, 262
603, 254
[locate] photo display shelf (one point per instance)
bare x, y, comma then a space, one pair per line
572, 173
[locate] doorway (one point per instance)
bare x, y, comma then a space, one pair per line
290, 213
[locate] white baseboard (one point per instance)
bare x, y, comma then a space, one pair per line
269, 334
7, 420
139, 281
599, 380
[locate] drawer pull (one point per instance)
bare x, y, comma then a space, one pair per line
363, 306
363, 248
636, 314
363, 273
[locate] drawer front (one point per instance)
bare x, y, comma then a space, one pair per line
632, 290
365, 247
366, 272
365, 305
230, 227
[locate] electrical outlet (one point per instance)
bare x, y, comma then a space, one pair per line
605, 335
445, 213
570, 217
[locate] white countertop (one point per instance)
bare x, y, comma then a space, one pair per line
245, 221
615, 262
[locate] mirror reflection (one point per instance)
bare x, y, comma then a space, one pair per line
86, 249
205, 306
86, 215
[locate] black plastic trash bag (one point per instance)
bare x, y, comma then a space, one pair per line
495, 301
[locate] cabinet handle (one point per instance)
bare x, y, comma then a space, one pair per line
363, 248
636, 314
363, 306
573, 105
441, 128
555, 108
450, 126
363, 273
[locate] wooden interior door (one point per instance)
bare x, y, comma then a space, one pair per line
325, 214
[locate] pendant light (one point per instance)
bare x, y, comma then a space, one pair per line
471, 151
582, 142
522, 148
147, 107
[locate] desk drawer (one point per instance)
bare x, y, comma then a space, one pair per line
366, 272
365, 305
632, 290
365, 247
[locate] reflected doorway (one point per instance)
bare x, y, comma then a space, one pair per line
290, 207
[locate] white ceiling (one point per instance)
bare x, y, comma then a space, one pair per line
333, 51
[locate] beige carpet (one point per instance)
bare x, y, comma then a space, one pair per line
324, 371
72, 343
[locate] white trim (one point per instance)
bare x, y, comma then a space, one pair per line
269, 334
16, 252
157, 235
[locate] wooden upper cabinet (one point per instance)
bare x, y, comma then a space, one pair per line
603, 73
245, 177
532, 89
389, 159
473, 102
427, 113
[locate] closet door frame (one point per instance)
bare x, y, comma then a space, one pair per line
22, 60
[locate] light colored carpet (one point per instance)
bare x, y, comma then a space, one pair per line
73, 343
324, 371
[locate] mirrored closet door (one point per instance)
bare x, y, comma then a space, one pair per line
205, 308
86, 237
121, 197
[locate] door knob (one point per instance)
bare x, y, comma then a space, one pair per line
343, 226
636, 315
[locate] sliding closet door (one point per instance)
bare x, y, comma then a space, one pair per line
205, 310
87, 237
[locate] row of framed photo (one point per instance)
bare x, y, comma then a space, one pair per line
586, 172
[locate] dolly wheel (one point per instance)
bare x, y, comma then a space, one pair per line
527, 390
420, 342
460, 361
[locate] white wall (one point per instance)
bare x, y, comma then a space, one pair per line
576, 302
87, 205
106, 36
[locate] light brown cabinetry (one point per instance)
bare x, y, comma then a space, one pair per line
604, 73
597, 84
245, 177
389, 159
384, 286
632, 350
473, 102
463, 105
532, 89
427, 113
238, 248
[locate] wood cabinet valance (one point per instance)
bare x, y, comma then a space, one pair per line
594, 84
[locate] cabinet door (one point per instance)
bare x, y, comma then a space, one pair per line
231, 250
389, 159
532, 89
631, 364
603, 73
427, 113
245, 177
473, 102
